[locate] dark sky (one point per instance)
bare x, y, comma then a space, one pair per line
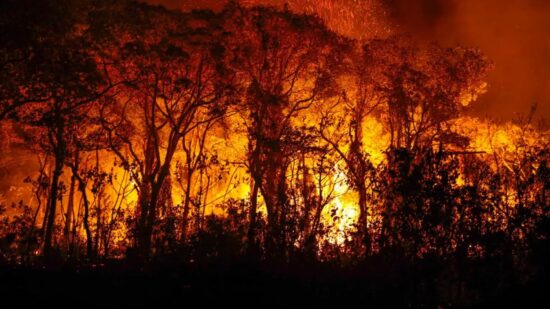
514, 34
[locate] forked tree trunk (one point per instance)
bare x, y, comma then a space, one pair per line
86, 217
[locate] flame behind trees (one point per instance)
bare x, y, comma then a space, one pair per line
55, 83
423, 89
154, 90
175, 81
288, 63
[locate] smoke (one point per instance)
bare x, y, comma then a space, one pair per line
512, 33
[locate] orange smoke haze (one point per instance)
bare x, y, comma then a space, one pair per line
512, 33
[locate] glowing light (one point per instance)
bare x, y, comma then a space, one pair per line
343, 212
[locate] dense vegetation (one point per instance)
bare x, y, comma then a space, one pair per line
220, 141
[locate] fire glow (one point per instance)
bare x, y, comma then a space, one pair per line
259, 119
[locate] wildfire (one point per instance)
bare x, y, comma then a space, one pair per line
341, 215
307, 117
356, 18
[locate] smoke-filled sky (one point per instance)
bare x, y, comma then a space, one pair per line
514, 34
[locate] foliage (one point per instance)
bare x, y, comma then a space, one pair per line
242, 134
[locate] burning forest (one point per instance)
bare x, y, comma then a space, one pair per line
293, 151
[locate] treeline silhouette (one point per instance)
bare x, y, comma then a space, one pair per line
121, 99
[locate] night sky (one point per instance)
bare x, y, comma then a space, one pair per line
512, 33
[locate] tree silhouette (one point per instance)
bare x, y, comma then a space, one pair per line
255, 143
285, 61
175, 82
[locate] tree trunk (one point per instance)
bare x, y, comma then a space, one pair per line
52, 209
98, 224
363, 217
85, 220
251, 235
69, 214
186, 205
147, 228
58, 170
98, 209
274, 192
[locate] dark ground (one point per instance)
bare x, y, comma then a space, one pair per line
160, 286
